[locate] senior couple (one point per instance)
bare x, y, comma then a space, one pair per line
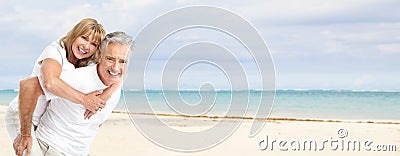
74, 86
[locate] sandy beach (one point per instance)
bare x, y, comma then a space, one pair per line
118, 136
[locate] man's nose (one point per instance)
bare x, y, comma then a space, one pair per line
116, 66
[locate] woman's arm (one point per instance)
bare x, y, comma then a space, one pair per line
107, 93
51, 71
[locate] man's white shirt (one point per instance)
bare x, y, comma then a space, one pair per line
63, 126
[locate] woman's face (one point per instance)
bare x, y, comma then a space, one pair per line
85, 45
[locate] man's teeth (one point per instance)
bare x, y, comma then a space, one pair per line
112, 73
84, 52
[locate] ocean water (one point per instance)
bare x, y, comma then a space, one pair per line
304, 104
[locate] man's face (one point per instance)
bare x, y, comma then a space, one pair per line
112, 63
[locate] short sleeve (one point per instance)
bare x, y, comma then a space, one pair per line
53, 51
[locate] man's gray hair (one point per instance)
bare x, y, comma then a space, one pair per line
117, 37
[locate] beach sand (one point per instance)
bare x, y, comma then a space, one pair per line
118, 136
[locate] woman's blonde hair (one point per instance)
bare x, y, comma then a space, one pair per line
85, 25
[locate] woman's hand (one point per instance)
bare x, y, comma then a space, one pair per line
107, 93
93, 101
88, 114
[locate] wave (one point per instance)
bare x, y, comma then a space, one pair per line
299, 90
389, 91
12, 90
337, 90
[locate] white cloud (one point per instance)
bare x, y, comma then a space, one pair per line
363, 81
390, 48
54, 25
39, 20
334, 47
318, 12
358, 40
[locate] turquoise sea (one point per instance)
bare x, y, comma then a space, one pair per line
305, 104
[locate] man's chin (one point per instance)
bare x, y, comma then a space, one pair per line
112, 81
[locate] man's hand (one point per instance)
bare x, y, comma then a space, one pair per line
21, 143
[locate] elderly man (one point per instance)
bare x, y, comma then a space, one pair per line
62, 129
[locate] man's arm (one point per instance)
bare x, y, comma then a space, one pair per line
27, 104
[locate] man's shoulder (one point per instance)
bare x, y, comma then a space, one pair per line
87, 70
83, 78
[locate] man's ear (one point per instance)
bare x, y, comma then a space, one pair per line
100, 56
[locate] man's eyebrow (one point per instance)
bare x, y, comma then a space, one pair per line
124, 59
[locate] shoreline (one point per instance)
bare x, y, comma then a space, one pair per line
261, 119
3, 108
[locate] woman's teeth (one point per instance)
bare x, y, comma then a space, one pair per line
83, 52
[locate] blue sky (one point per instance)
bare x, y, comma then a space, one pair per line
330, 44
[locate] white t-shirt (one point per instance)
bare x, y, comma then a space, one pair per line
53, 51
63, 126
